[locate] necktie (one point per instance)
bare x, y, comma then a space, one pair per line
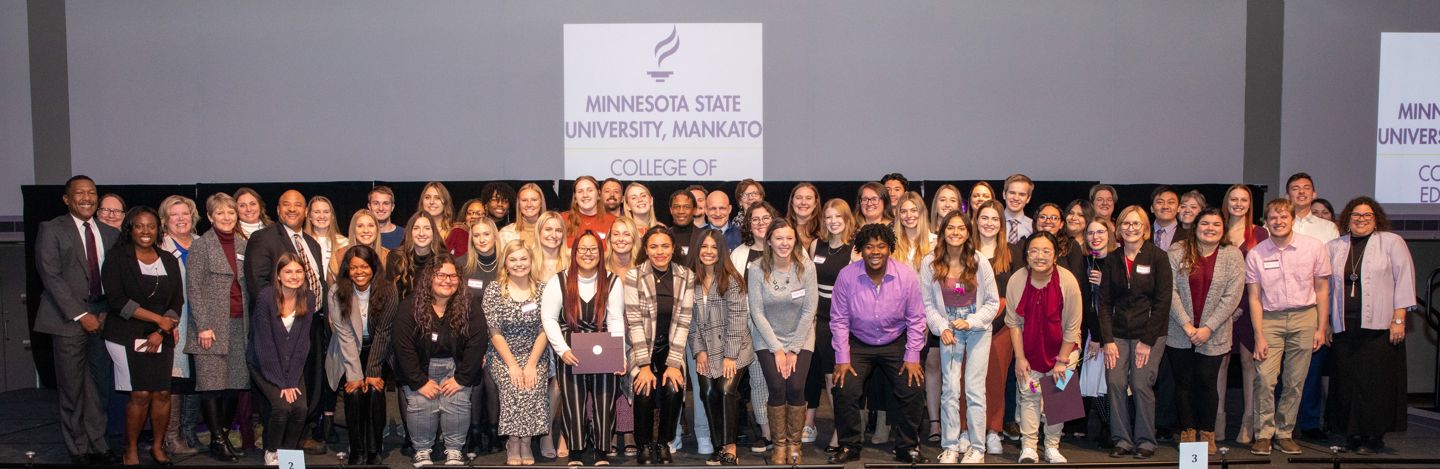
312, 282
1160, 239
92, 263
1014, 231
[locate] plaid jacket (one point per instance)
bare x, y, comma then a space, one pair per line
640, 315
721, 328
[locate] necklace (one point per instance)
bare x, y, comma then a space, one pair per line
1353, 265
487, 268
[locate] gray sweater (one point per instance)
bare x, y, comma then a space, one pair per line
782, 309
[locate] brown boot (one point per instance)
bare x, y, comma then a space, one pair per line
796, 426
1188, 435
1208, 438
780, 432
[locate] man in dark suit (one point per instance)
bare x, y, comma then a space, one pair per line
68, 253
265, 247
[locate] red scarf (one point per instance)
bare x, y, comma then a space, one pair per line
1042, 334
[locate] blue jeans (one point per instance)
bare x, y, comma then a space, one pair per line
451, 414
971, 356
1312, 399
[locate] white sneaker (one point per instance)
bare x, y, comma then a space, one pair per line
993, 444
704, 446
272, 459
1053, 456
677, 444
454, 458
973, 456
1028, 456
964, 443
809, 434
949, 457
422, 458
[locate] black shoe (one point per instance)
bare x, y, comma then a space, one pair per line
220, 452
643, 455
831, 449
408, 449
372, 459
714, 459
1121, 451
727, 459
760, 444
472, 441
1315, 435
1143, 453
911, 455
662, 453
845, 454
354, 458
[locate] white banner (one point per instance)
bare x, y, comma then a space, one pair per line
666, 101
1407, 135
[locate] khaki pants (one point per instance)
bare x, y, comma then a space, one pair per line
1029, 410
1289, 336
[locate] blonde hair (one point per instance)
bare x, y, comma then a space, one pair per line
640, 223
1144, 222
935, 215
176, 200
355, 220
563, 258
904, 242
843, 208
447, 207
336, 237
612, 261
523, 230
472, 255
218, 200
503, 276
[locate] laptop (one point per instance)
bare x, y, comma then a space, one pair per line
598, 352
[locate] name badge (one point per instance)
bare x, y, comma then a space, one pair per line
797, 294
819, 259
475, 283
684, 250
434, 337
527, 307
1142, 269
601, 235
239, 257
1272, 265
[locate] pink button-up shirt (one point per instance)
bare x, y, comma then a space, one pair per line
1287, 275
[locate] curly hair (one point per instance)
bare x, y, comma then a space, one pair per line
457, 307
873, 232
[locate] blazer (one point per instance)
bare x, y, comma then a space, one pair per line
1135, 304
1227, 290
279, 355
640, 312
412, 362
209, 290
265, 247
1387, 278
126, 292
342, 359
987, 296
721, 327
60, 262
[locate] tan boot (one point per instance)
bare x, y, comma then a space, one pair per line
796, 426
779, 432
1187, 435
1208, 438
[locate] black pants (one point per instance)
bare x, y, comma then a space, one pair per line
885, 361
575, 390
664, 400
319, 397
365, 413
287, 419
485, 403
1196, 398
784, 391
722, 406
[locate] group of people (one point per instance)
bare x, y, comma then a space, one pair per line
955, 317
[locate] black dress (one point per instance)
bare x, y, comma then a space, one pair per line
828, 263
1368, 387
156, 287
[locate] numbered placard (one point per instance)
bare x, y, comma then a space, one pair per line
291, 458
1192, 455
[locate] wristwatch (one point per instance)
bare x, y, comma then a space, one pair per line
1398, 322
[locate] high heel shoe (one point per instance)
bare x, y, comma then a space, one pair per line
527, 452
219, 449
161, 459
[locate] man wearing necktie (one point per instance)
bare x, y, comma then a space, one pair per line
1165, 206
1018, 188
264, 249
69, 250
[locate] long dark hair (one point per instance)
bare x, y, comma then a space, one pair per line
457, 309
382, 292
571, 288
302, 295
1192, 238
941, 264
643, 256
725, 272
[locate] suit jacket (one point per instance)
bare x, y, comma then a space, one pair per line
60, 261
640, 312
208, 287
1227, 290
279, 355
342, 360
265, 247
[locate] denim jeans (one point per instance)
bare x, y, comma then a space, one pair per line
450, 413
970, 355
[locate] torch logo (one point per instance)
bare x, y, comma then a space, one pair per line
663, 50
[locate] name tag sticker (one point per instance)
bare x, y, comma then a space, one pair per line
527, 307
797, 294
819, 259
601, 235
434, 337
684, 250
1272, 264
239, 257
1142, 269
475, 283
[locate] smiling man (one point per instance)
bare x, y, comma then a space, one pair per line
878, 325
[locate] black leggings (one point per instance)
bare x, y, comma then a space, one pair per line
722, 405
785, 391
485, 403
364, 413
667, 400
287, 419
1196, 398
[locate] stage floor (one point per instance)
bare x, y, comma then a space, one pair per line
29, 422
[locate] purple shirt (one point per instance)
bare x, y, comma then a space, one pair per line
877, 315
1287, 275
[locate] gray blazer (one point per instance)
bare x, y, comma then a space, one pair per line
342, 359
640, 315
60, 261
1227, 288
208, 278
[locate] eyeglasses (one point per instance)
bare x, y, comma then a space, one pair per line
474, 213
750, 194
594, 250
444, 277
870, 200
111, 211
764, 219
1362, 216
1040, 252
1049, 217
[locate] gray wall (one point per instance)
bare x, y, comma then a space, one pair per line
1332, 70
17, 150
185, 91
